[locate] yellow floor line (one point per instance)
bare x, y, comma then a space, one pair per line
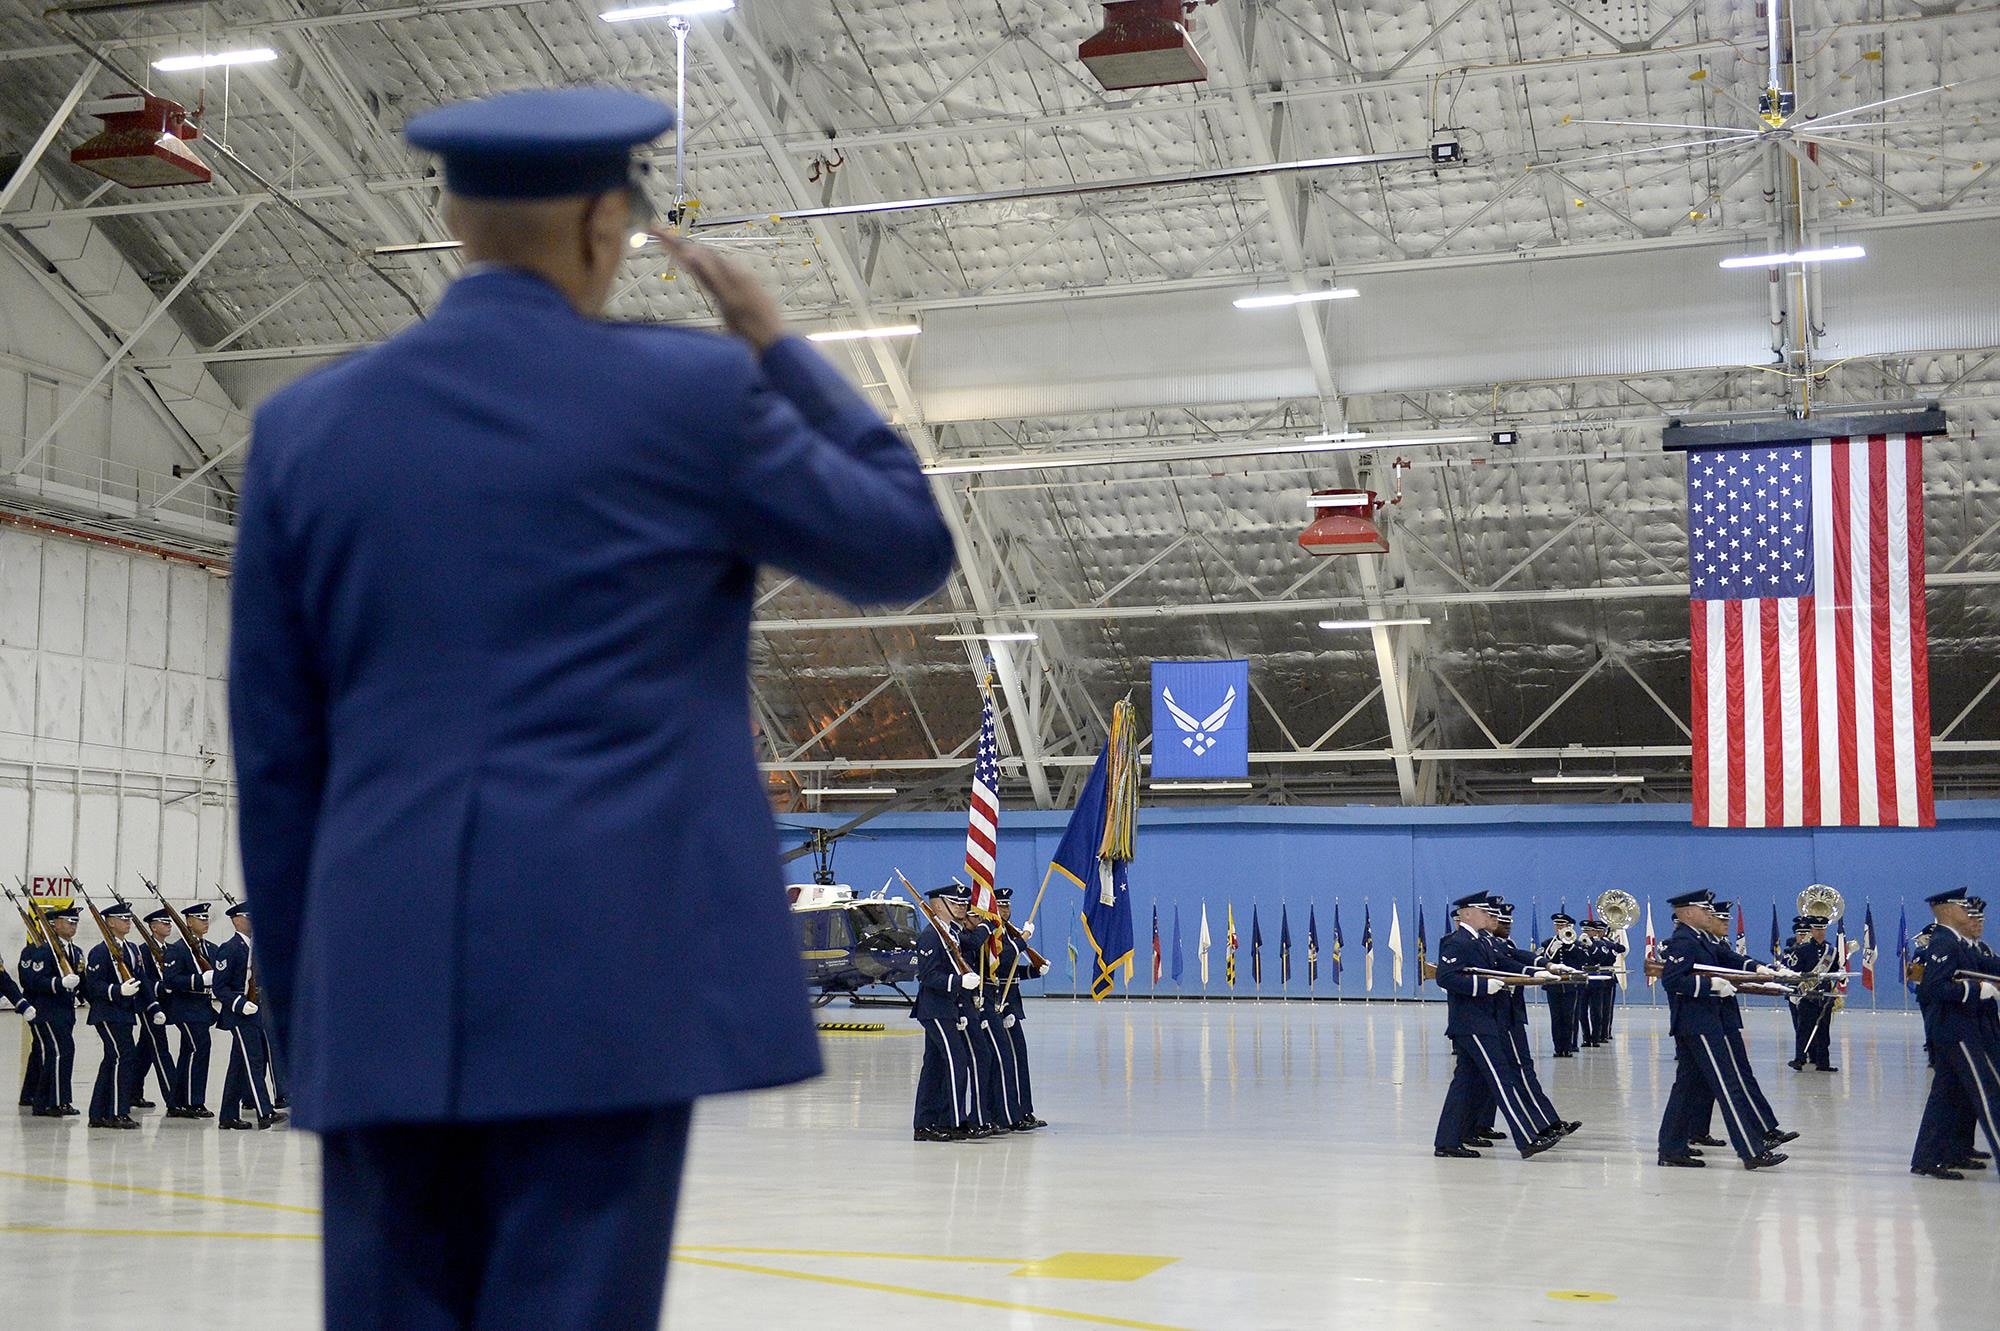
161, 1192
151, 1233
861, 1256
969, 1300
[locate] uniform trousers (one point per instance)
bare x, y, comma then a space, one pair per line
1540, 1109
1562, 1018
1706, 1075
1965, 1085
31, 1076
1812, 1028
243, 1084
1587, 1014
56, 1045
111, 1093
191, 1066
1024, 1087
154, 1055
1766, 1118
944, 1082
995, 1085
1488, 1063
528, 1225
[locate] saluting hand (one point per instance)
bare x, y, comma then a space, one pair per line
747, 309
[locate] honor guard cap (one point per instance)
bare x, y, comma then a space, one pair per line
1003, 894
545, 143
1721, 907
1801, 923
1562, 917
156, 917
1703, 897
1817, 921
1474, 901
1504, 909
198, 911
240, 908
117, 910
68, 913
1976, 907
1956, 896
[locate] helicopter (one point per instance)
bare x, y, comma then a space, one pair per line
851, 943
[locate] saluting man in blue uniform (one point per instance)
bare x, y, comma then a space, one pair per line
493, 590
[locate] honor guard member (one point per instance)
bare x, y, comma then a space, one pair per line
492, 597
190, 1005
1017, 969
54, 987
1964, 1078
989, 1033
1766, 1118
1703, 1065
1509, 955
944, 1082
11, 992
1562, 950
117, 995
153, 1053
236, 994
1477, 1025
1812, 1004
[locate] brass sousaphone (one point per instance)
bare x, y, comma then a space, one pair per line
1823, 901
1617, 909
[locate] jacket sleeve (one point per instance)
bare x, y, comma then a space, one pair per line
934, 969
1455, 954
277, 720
9, 990
100, 978
825, 488
181, 976
231, 973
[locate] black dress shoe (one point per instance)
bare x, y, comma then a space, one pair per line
1573, 1125
144, 1104
126, 1121
1937, 1171
69, 1111
198, 1111
1697, 1152
1682, 1162
104, 1123
1779, 1138
1708, 1141
1488, 1134
1977, 1155
233, 1124
1768, 1160
175, 1111
282, 1102
48, 1113
1968, 1164
1456, 1153
1034, 1122
1563, 1055
265, 1121
1796, 1064
1537, 1146
1824, 1067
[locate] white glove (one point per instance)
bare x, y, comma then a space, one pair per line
1989, 991
962, 1023
1041, 970
1009, 1023
70, 983
27, 1013
249, 1008
1490, 985
208, 979
969, 980
128, 988
1764, 970
159, 1017
1721, 989
1545, 976
1027, 931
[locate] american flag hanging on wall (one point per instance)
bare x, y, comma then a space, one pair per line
1810, 660
982, 830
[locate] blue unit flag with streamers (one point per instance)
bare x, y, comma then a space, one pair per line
1284, 945
1256, 948
1338, 941
1177, 943
1777, 939
1423, 948
1312, 947
1107, 901
1903, 948
1201, 719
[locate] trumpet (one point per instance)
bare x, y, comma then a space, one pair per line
1617, 908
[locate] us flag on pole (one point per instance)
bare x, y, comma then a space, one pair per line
1811, 670
982, 831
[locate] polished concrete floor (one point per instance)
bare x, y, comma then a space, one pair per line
1211, 1166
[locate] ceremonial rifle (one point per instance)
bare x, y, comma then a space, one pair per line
38, 926
152, 943
112, 947
1975, 975
1035, 959
196, 954
1517, 979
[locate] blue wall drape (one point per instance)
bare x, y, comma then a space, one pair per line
1542, 857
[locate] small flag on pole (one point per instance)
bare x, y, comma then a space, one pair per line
1903, 947
1395, 947
1423, 946
1312, 948
1284, 945
1156, 947
1777, 939
1652, 944
1367, 949
1868, 949
1256, 948
982, 832
1202, 944
1229, 946
1742, 943
1339, 941
1177, 942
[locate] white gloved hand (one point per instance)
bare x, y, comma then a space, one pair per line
208, 979
1762, 969
1545, 976
128, 988
1989, 991
249, 1008
962, 1023
1492, 986
1041, 970
1027, 931
70, 983
159, 1017
27, 1012
1721, 988
969, 980
1009, 1023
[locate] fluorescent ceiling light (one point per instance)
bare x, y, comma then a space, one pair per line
859, 334
1198, 785
1369, 623
1797, 256
672, 9
1282, 298
989, 637
867, 791
174, 64
1343, 437
1141, 456
420, 247
1570, 779
1340, 501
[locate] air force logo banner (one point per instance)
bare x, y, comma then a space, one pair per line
1201, 719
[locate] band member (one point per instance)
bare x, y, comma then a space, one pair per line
1564, 948
52, 987
1014, 963
243, 1084
1812, 1005
1477, 1025
1964, 1078
116, 995
944, 1084
1602, 991
190, 986
1704, 1067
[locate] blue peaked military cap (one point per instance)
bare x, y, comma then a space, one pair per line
1801, 922
1699, 897
1003, 894
68, 913
118, 910
1721, 907
1562, 917
942, 893
198, 911
1953, 896
545, 143
156, 917
240, 908
1480, 900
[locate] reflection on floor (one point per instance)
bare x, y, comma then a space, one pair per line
1212, 1165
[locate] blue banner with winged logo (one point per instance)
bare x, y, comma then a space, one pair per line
1201, 720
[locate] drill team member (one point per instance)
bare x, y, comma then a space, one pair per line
1965, 1080
52, 986
1477, 1024
1704, 1067
236, 992
944, 1083
190, 990
116, 998
1014, 963
1812, 1005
